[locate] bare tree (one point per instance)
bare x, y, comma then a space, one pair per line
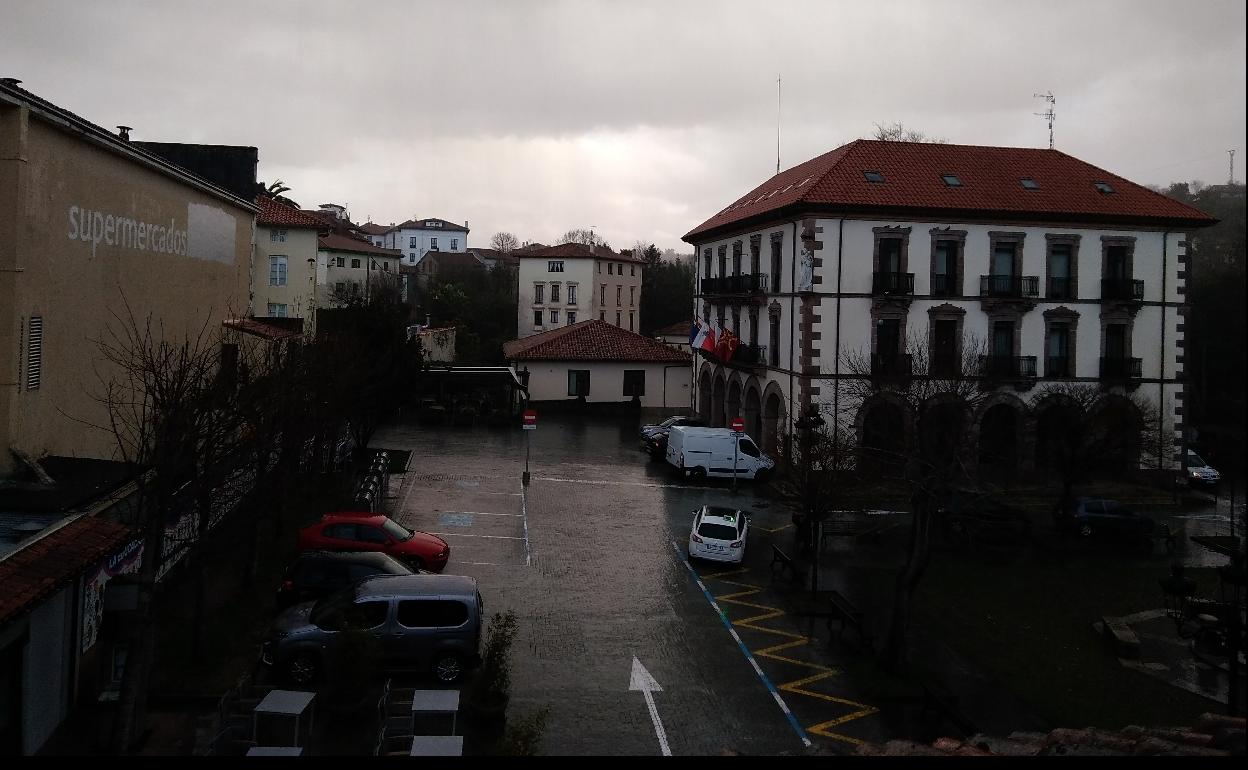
505, 242
896, 132
584, 236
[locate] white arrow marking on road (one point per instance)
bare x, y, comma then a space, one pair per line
641, 680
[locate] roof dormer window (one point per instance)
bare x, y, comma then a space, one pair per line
951, 180
1103, 187
873, 176
1029, 184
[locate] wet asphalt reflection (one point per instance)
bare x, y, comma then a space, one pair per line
585, 556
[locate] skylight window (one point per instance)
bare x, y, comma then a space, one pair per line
1029, 183
952, 180
1103, 187
873, 176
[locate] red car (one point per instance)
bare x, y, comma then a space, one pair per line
346, 531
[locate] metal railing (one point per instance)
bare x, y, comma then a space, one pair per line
1058, 366
1120, 368
1007, 367
1009, 286
1123, 289
890, 365
892, 283
945, 285
1060, 288
745, 283
749, 355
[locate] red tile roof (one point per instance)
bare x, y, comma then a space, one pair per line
274, 214
373, 228
259, 328
990, 187
575, 251
338, 242
591, 340
40, 569
458, 259
419, 224
672, 330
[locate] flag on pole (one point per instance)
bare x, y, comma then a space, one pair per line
727, 344
703, 338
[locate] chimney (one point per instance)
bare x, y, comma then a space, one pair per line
123, 133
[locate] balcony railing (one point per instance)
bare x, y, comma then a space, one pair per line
945, 366
1122, 289
945, 285
745, 283
1009, 286
1120, 368
749, 355
1058, 366
1060, 288
892, 283
1007, 367
890, 365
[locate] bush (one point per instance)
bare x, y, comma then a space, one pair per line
524, 735
491, 689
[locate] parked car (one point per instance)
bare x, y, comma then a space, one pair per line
974, 519
691, 420
1091, 516
703, 452
1198, 472
361, 531
718, 534
423, 623
317, 574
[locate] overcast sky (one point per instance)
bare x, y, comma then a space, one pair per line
639, 118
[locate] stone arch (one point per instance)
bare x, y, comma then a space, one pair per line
704, 392
732, 406
999, 430
1115, 425
884, 427
1057, 419
752, 410
773, 418
718, 389
943, 428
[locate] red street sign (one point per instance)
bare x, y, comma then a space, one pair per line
738, 425
530, 419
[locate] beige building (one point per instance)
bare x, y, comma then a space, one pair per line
565, 284
284, 284
91, 228
348, 268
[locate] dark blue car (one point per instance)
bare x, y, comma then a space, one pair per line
1092, 516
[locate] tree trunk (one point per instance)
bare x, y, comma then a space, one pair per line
893, 654
199, 619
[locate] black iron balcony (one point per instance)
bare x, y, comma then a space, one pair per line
945, 366
1007, 367
1120, 368
1122, 289
1061, 288
1058, 366
1009, 286
890, 365
745, 283
892, 283
749, 355
945, 285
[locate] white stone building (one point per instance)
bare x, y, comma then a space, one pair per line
602, 364
415, 237
566, 284
1057, 270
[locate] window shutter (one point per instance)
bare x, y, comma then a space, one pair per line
34, 352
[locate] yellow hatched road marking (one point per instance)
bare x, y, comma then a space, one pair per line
797, 686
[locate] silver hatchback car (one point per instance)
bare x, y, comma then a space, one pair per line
424, 623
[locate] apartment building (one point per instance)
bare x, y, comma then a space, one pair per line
284, 284
1058, 271
562, 285
417, 237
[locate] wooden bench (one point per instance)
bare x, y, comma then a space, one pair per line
845, 611
786, 563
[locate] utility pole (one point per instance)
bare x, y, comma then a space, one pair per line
1048, 97
1231, 178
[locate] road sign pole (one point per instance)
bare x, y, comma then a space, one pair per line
736, 442
530, 424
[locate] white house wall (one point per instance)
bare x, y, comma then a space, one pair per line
298, 295
46, 670
548, 381
412, 255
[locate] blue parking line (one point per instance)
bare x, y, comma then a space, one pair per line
744, 650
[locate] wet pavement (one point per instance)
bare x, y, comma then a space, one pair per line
591, 556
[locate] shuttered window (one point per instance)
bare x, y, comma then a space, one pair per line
34, 352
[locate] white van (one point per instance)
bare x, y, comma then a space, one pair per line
703, 452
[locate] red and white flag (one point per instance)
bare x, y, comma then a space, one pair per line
704, 339
727, 344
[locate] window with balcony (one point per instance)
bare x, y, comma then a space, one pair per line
706, 263
539, 294
723, 261
736, 258
1117, 282
1057, 358
1062, 281
1116, 360
890, 261
773, 341
1005, 267
946, 275
946, 355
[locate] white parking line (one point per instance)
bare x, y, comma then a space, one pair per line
465, 534
524, 511
484, 513
480, 563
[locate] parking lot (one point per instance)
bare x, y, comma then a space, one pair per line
591, 556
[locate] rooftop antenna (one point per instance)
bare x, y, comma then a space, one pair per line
777, 122
1048, 97
1232, 154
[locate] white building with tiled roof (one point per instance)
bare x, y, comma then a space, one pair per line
1060, 271
601, 364
283, 281
565, 284
416, 237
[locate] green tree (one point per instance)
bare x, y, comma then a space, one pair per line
666, 291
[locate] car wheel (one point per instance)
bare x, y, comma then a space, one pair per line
1085, 530
303, 668
448, 667
415, 563
698, 473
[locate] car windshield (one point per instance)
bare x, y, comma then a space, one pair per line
396, 530
1195, 460
327, 612
717, 531
670, 421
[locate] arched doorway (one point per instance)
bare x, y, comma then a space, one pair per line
734, 400
704, 395
999, 431
1060, 429
753, 414
717, 403
942, 430
773, 414
1115, 429
882, 438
